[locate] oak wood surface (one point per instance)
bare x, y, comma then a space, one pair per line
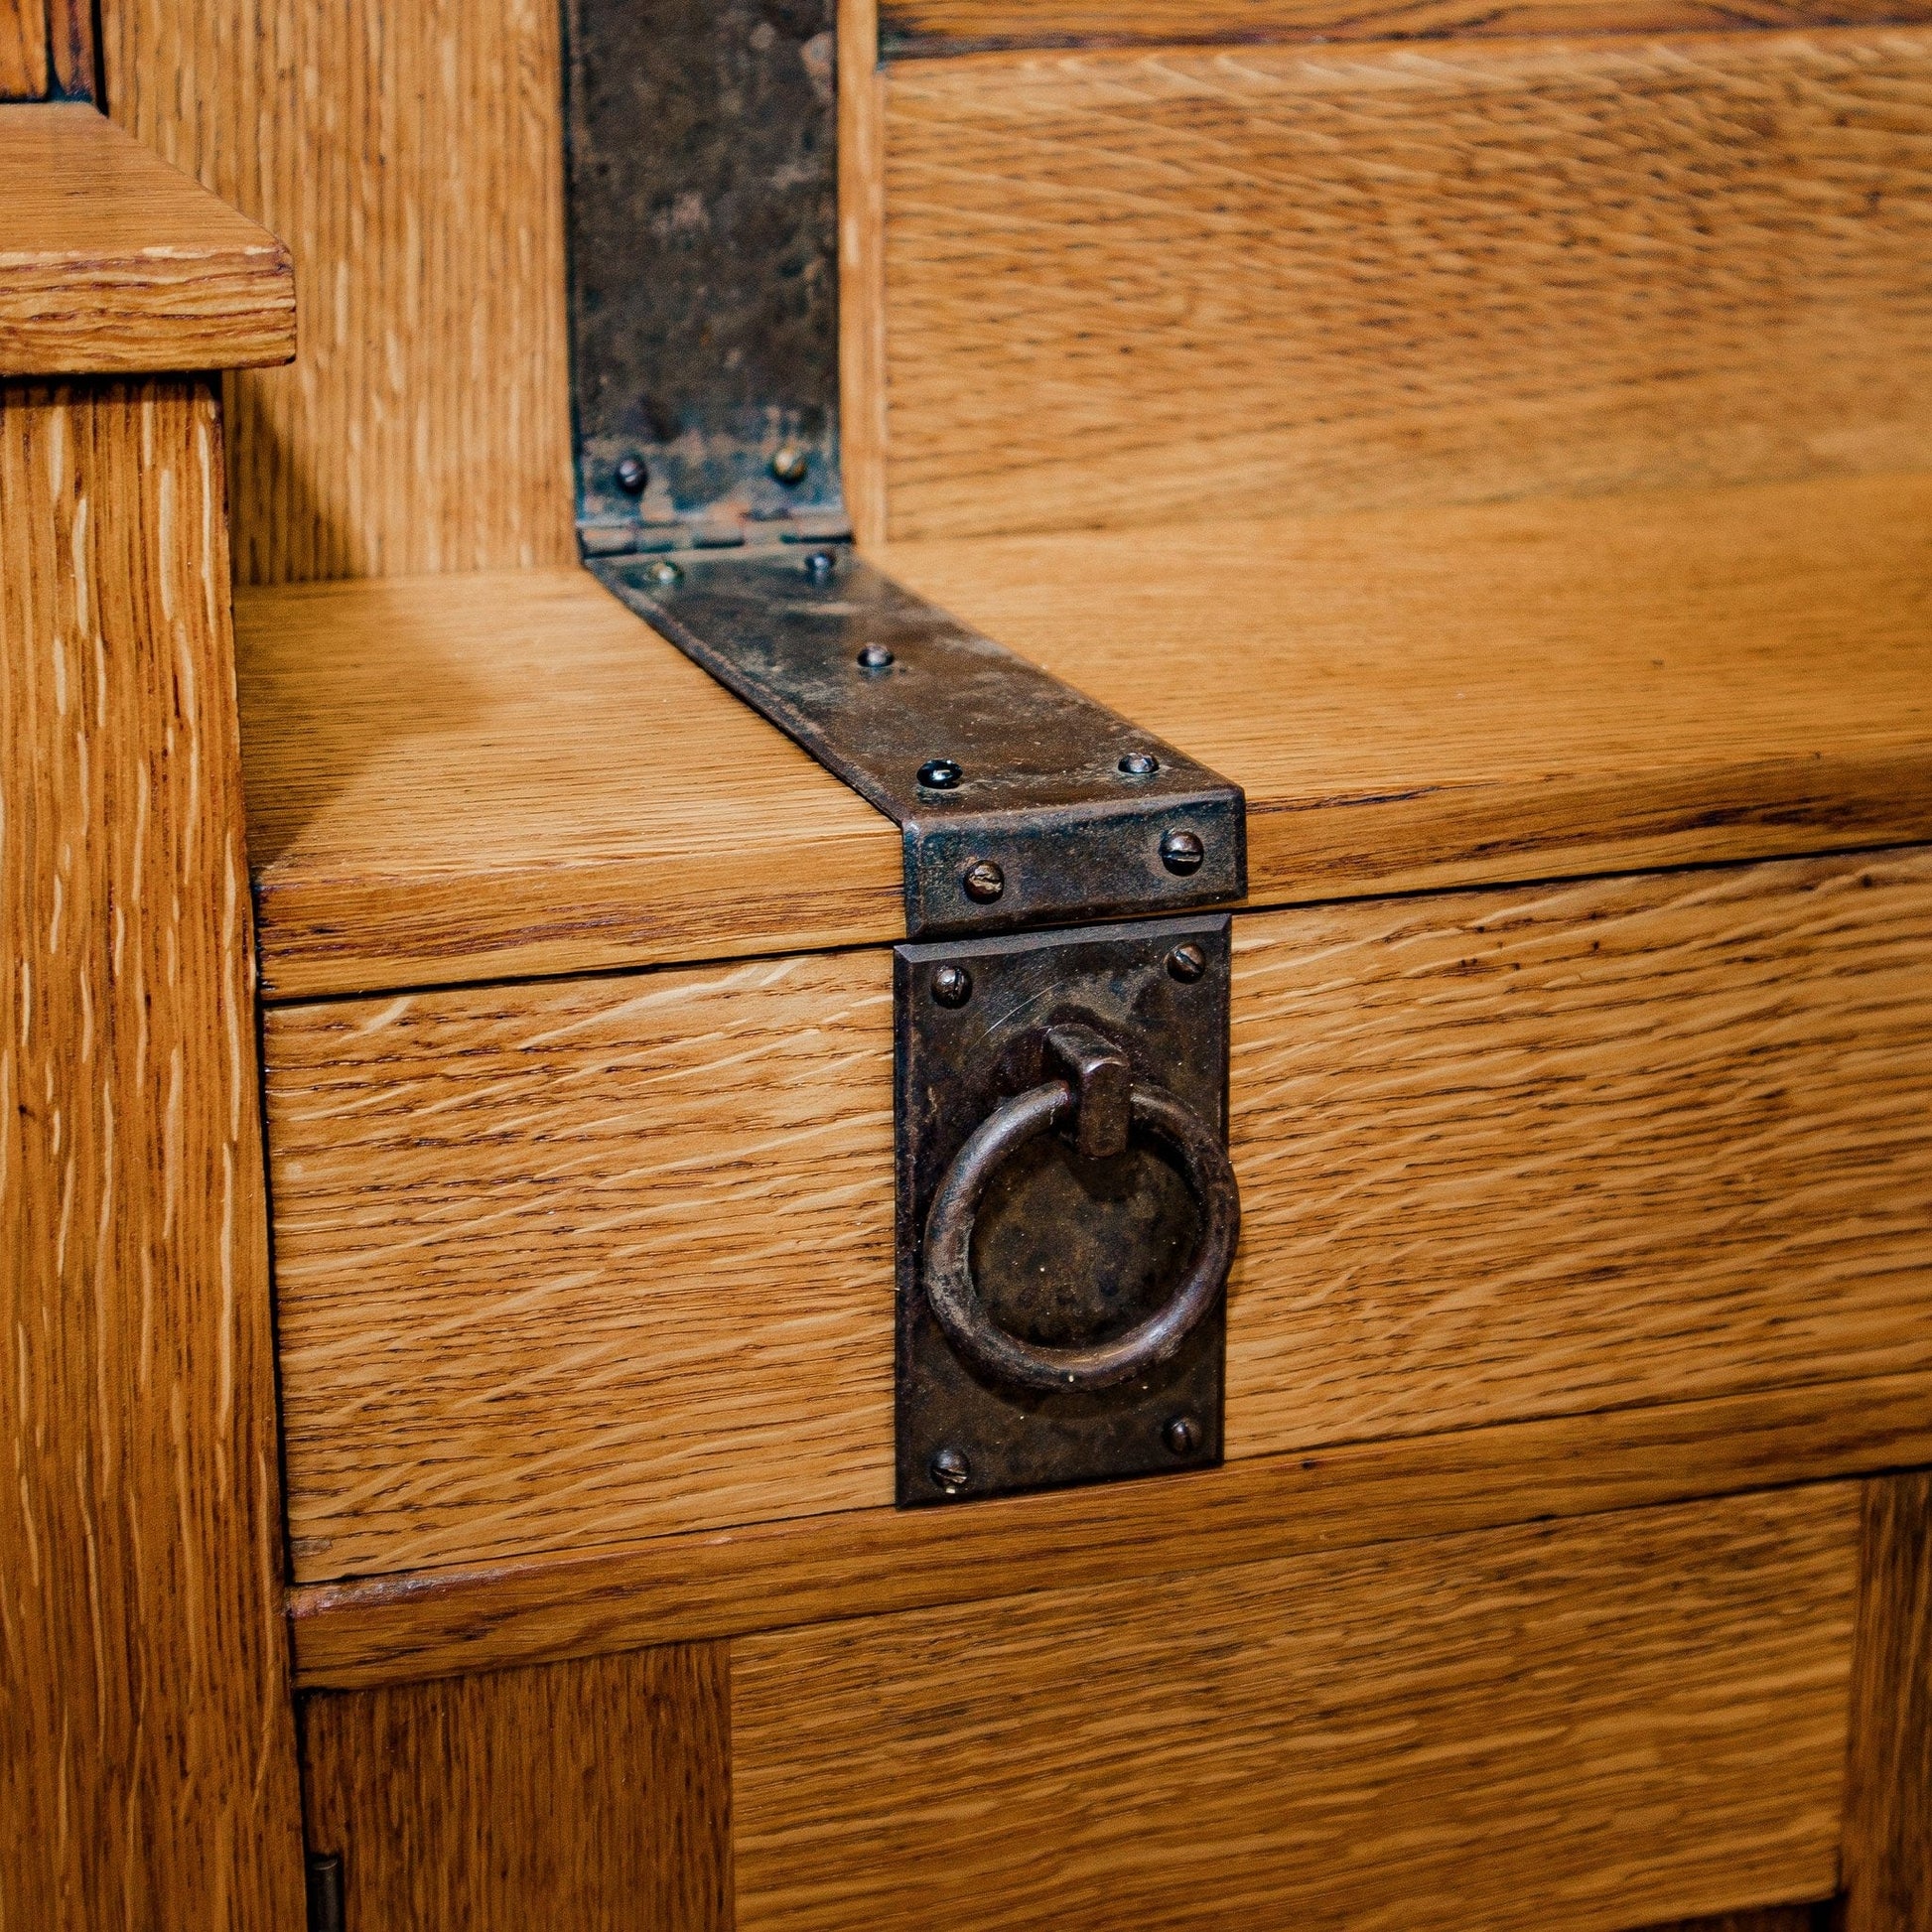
469, 775
1815, 1917
580, 1262
111, 261
818, 1569
1889, 1805
411, 157
462, 778
592, 1795
71, 52
925, 28
1595, 1706
23, 49
1128, 288
146, 1746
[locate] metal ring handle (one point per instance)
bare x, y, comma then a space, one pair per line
955, 1298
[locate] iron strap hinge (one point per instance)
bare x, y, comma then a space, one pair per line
1022, 803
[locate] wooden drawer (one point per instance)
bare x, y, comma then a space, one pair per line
571, 1264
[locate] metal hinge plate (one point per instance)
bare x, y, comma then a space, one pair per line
1022, 803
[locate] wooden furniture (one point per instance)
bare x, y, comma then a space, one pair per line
1499, 446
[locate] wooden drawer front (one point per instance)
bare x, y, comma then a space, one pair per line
569, 1263
1613, 1721
1134, 287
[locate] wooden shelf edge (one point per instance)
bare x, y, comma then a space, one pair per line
823, 1569
125, 265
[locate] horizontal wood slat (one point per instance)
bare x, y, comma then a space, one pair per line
117, 263
592, 1795
1577, 1725
411, 156
470, 777
1126, 288
577, 1263
924, 28
804, 1570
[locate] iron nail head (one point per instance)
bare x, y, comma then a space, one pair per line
984, 882
632, 475
1183, 1435
875, 657
789, 463
952, 986
1186, 963
1139, 764
664, 574
819, 565
1182, 853
940, 774
951, 1470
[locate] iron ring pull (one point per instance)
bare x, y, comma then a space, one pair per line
955, 1298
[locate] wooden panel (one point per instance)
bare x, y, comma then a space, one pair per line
23, 49
1410, 701
148, 1775
1889, 1806
913, 28
1773, 1918
1129, 288
71, 46
411, 156
814, 1569
1597, 1707
578, 1263
120, 263
592, 1795
507, 772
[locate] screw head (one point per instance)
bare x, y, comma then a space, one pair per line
874, 657
819, 565
1182, 851
661, 572
950, 1469
984, 882
1186, 963
789, 463
1139, 764
940, 774
1183, 1434
633, 473
952, 986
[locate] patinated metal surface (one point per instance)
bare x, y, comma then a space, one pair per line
1069, 1252
1022, 773
702, 210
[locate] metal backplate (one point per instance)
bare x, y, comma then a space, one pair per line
1065, 1250
1066, 800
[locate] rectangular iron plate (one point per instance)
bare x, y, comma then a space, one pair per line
1042, 793
955, 1064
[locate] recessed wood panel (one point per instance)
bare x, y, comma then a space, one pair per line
411, 156
147, 1742
1128, 288
593, 1795
1591, 1725
578, 1263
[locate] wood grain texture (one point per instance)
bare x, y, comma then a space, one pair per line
1580, 685
818, 1569
71, 52
578, 1263
590, 1795
862, 270
910, 29
1594, 1706
116, 263
1128, 288
411, 157
1889, 1806
148, 1774
1410, 701
23, 49
1815, 1917
507, 772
